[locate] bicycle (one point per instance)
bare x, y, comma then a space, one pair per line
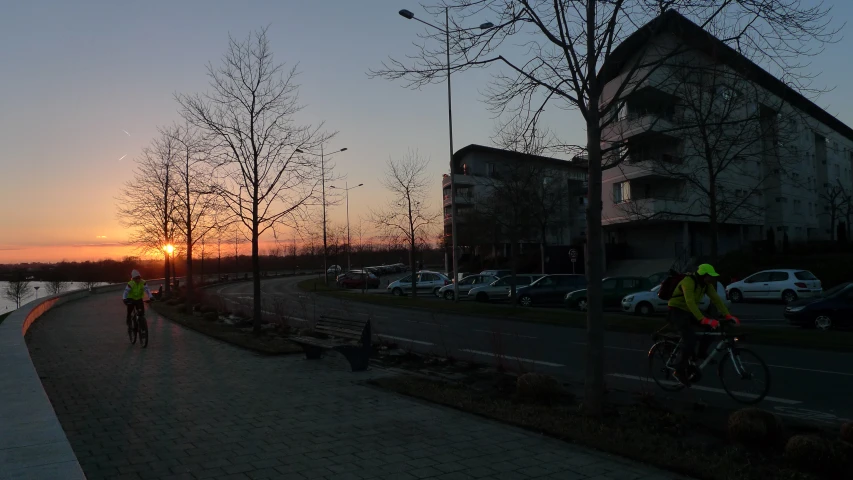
138, 326
745, 363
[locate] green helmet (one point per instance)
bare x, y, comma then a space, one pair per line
707, 269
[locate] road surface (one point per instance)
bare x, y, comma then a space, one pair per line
805, 383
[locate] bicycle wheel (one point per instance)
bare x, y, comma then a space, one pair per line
143, 332
744, 376
131, 330
662, 357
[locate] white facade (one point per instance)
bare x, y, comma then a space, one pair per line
783, 160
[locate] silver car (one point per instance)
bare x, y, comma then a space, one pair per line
499, 289
427, 282
466, 284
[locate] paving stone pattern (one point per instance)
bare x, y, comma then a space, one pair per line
190, 407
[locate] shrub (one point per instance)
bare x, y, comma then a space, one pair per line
538, 388
208, 308
754, 426
181, 309
211, 316
197, 307
173, 302
816, 454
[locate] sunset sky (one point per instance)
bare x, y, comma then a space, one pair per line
86, 84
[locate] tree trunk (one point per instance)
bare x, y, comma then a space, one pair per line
166, 274
189, 275
413, 267
542, 254
713, 225
256, 281
594, 380
512, 268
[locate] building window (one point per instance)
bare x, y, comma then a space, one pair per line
797, 206
621, 192
490, 169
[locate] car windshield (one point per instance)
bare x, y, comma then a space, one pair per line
656, 288
805, 275
834, 291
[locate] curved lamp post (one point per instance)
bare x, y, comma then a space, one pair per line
484, 26
346, 189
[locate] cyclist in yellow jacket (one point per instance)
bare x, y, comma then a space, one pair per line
134, 292
684, 313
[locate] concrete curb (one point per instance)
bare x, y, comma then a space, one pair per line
32, 441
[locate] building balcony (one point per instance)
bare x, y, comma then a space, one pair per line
459, 179
647, 125
460, 200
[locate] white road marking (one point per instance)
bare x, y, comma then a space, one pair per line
402, 339
707, 389
511, 357
504, 333
614, 348
806, 369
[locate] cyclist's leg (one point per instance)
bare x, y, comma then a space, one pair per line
141, 306
130, 307
683, 322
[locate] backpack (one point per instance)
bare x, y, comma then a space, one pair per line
669, 284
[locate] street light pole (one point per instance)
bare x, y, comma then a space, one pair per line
446, 30
347, 189
452, 181
325, 252
323, 187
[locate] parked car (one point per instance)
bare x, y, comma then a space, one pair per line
426, 282
657, 278
831, 309
647, 303
358, 279
549, 289
497, 273
613, 289
465, 285
787, 285
500, 289
334, 269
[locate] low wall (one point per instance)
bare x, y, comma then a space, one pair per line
32, 441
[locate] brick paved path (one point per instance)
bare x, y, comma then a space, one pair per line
192, 407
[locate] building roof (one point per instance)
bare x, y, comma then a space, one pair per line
577, 162
692, 34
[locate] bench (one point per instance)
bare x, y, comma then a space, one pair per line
351, 338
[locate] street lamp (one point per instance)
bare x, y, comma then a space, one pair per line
323, 183
347, 189
483, 26
37, 291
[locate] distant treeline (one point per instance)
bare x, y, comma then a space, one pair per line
119, 270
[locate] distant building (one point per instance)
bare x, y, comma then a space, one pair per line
479, 173
780, 189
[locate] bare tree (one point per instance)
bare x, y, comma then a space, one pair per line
250, 115
17, 290
197, 206
148, 206
833, 199
407, 216
722, 144
573, 50
546, 198
57, 284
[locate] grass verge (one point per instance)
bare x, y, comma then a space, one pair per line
642, 433
783, 337
266, 343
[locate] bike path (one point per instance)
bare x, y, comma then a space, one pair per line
191, 407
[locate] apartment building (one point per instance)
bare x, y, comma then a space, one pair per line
776, 166
485, 177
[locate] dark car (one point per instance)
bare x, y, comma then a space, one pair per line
613, 289
832, 309
549, 289
358, 279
